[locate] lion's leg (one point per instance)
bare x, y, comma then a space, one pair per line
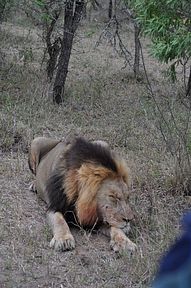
118, 240
39, 147
63, 239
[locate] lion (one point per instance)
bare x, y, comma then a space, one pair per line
87, 178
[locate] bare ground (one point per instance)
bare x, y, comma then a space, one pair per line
102, 102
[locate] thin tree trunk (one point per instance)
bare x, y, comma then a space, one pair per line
52, 48
137, 42
73, 11
137, 50
188, 91
110, 9
53, 52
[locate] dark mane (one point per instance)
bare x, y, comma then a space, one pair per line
57, 201
83, 151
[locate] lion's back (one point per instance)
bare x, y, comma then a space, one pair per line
47, 166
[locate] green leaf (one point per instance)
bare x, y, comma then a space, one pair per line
40, 3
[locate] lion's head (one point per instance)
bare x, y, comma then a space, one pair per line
113, 204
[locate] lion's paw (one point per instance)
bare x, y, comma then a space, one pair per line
63, 243
121, 244
131, 246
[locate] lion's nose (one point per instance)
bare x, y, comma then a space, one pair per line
130, 216
127, 219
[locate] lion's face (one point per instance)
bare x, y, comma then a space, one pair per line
113, 204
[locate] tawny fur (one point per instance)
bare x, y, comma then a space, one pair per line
84, 184
86, 175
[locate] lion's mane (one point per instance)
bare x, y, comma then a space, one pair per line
80, 173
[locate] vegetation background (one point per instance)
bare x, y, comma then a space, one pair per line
142, 114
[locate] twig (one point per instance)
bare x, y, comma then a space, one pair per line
114, 39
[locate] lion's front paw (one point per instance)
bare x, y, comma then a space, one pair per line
63, 243
131, 246
122, 243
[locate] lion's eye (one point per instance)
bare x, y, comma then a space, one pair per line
114, 198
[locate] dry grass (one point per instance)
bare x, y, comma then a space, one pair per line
102, 102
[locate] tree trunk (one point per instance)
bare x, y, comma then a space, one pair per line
137, 42
53, 49
137, 50
188, 91
73, 11
110, 9
53, 52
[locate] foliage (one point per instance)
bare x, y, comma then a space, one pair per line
42, 11
168, 23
